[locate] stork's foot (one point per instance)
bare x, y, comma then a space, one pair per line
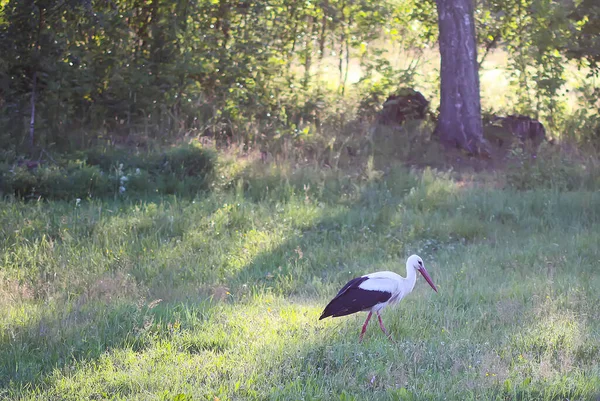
384, 329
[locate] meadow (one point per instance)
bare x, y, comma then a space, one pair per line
217, 296
184, 185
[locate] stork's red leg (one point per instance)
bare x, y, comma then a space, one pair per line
364, 328
383, 327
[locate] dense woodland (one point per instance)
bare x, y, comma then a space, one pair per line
296, 78
253, 70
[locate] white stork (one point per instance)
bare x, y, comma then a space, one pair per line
373, 292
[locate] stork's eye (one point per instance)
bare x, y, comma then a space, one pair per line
420, 263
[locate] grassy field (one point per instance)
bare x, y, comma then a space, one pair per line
217, 297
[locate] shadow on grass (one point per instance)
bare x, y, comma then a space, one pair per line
94, 311
62, 332
335, 246
352, 231
59, 339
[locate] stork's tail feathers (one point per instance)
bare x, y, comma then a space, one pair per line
326, 312
340, 307
337, 307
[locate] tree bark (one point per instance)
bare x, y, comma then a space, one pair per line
36, 63
459, 122
32, 118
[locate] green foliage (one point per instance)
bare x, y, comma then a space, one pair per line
178, 162
583, 125
540, 36
550, 168
183, 170
536, 64
53, 182
254, 73
585, 45
126, 67
187, 161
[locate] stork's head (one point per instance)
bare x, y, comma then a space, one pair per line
416, 262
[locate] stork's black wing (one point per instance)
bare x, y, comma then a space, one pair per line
354, 283
351, 299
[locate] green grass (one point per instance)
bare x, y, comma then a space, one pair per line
219, 297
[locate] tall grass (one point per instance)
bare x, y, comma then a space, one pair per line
218, 297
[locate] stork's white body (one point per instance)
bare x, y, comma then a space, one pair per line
392, 283
375, 291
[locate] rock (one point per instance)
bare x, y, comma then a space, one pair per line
527, 130
406, 104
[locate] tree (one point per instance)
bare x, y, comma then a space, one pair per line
459, 122
586, 41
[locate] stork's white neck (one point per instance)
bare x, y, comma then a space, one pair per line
411, 277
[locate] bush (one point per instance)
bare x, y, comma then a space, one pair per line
77, 180
551, 168
52, 182
184, 161
184, 170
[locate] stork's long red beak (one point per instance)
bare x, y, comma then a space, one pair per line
426, 275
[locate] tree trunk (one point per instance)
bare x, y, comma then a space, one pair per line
35, 63
460, 122
32, 118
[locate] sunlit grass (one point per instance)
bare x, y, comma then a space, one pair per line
219, 296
